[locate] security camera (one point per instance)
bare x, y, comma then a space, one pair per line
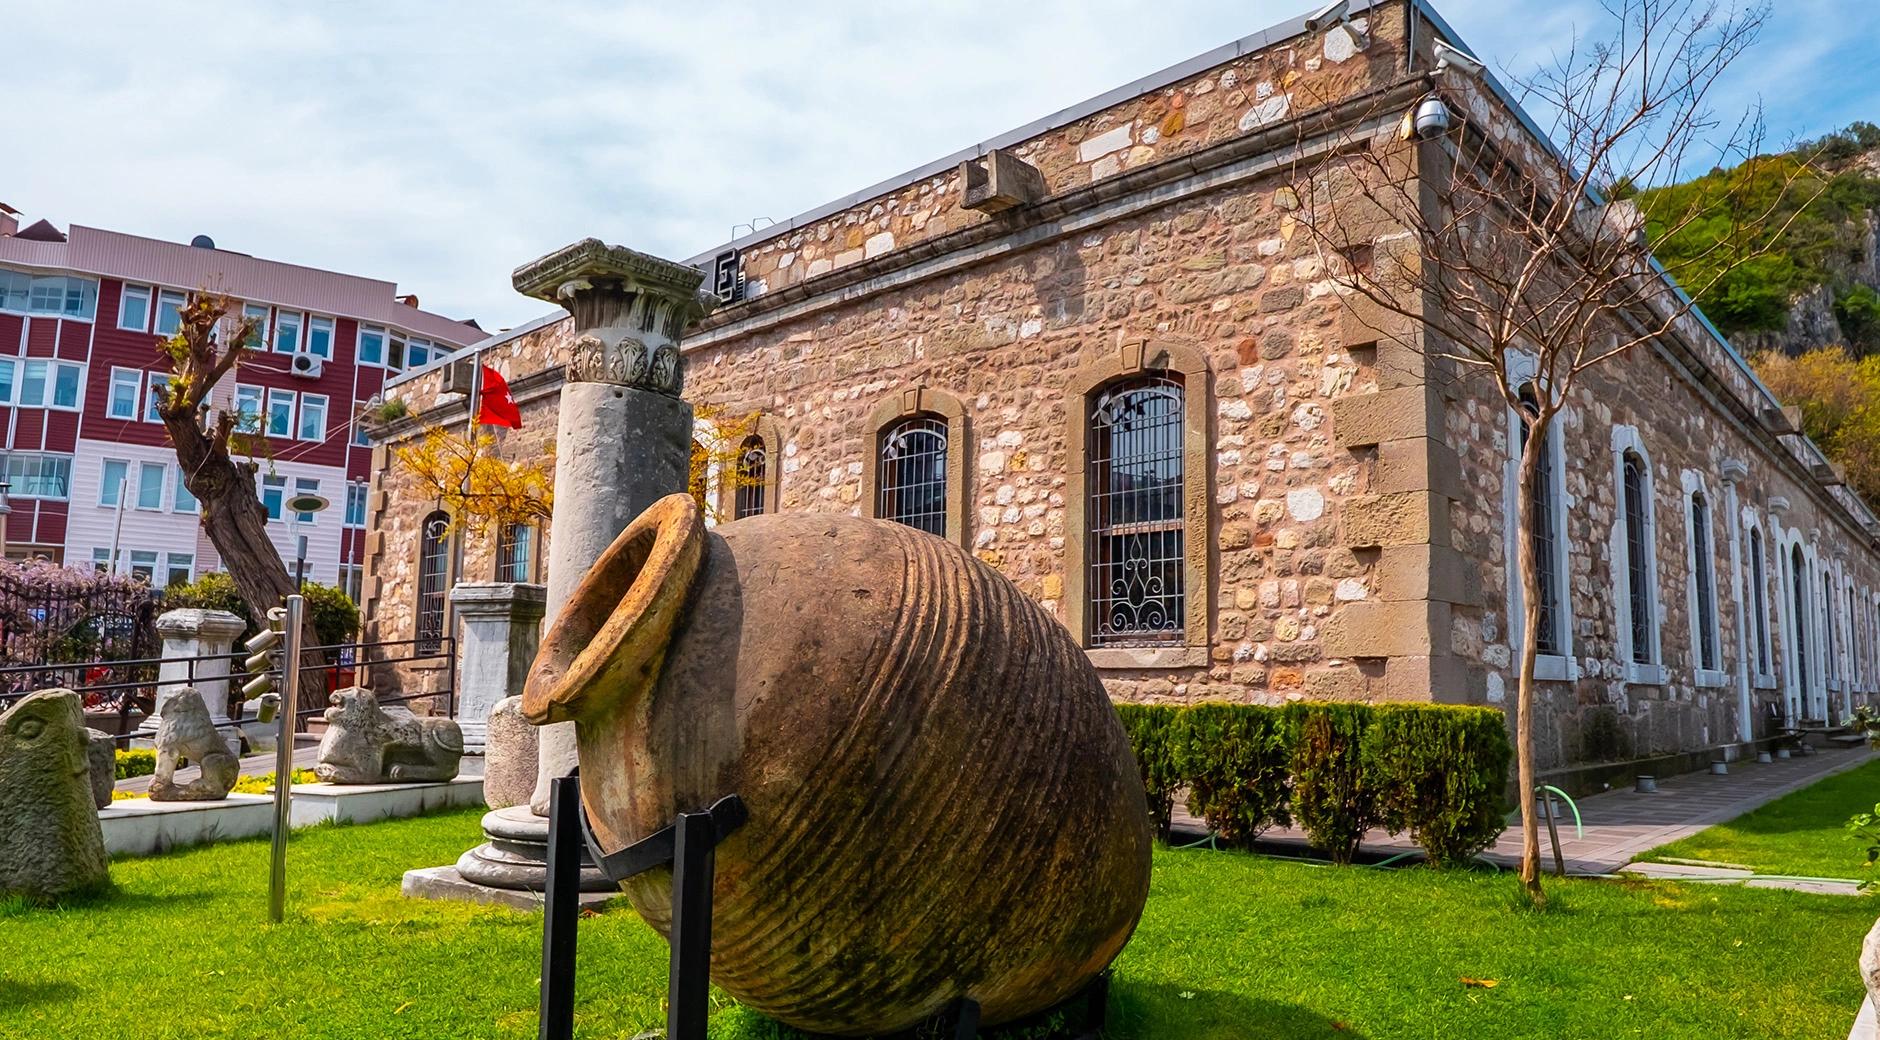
1447, 56
1329, 14
1431, 120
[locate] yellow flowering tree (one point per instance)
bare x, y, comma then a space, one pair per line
477, 487
717, 456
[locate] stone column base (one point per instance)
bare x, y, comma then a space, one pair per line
511, 868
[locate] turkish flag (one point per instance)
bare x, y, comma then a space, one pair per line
495, 406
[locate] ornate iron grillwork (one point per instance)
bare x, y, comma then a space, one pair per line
1545, 533
433, 576
515, 549
912, 474
1638, 572
1759, 591
753, 466
1137, 548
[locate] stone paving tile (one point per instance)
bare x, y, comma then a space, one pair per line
1621, 824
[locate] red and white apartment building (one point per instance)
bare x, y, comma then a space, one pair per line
88, 468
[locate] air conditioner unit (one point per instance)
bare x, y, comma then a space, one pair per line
306, 366
458, 376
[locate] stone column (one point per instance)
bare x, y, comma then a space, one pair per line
623, 436
187, 633
502, 623
1734, 471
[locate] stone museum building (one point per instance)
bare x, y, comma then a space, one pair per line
1101, 352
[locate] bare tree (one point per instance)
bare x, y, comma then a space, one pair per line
1498, 255
208, 347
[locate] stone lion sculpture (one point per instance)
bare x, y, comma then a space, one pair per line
187, 736
52, 844
369, 744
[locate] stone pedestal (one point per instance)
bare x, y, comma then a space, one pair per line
189, 635
502, 623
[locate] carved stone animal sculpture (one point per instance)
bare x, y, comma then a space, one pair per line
187, 736
367, 744
50, 842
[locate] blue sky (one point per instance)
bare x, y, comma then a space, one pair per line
442, 144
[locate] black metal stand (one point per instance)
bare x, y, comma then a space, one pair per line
690, 847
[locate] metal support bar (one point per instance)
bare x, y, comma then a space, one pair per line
284, 758
1553, 833
965, 1019
694, 864
561, 908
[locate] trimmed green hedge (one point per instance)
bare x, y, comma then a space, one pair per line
1436, 772
135, 762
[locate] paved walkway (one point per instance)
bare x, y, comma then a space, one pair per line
1622, 824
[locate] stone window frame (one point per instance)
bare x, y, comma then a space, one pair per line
767, 431
1762, 648
1804, 681
909, 403
1522, 369
497, 538
452, 560
1650, 672
1134, 358
1693, 485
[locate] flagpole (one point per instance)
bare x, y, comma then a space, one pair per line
470, 430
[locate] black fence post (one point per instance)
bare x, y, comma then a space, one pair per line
694, 862
561, 908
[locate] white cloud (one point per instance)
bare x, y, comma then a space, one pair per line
441, 145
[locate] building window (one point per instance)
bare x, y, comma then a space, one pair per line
305, 486
371, 345
362, 437
248, 409
151, 476
351, 579
63, 296
280, 413
395, 352
911, 478
180, 568
185, 502
1758, 599
356, 504
101, 561
1798, 594
1705, 639
417, 352
287, 332
320, 337
312, 417
1637, 598
8, 369
122, 401
433, 573
153, 397
257, 337
170, 312
1544, 529
144, 565
111, 482
1135, 512
1830, 644
36, 475
134, 308
51, 384
515, 552
752, 466
273, 495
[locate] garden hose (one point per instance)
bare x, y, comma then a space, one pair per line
1578, 831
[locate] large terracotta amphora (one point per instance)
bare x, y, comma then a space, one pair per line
941, 800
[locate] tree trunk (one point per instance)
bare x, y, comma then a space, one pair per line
1529, 568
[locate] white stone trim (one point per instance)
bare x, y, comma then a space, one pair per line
1650, 672
1764, 679
1704, 673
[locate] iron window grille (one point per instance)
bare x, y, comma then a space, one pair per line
1706, 592
912, 485
515, 545
1758, 580
433, 570
1136, 513
1544, 532
1638, 570
748, 499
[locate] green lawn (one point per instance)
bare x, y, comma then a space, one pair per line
1232, 947
1803, 834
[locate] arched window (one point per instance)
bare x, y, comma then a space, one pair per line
753, 465
1639, 539
1758, 593
515, 553
1544, 528
1703, 586
1798, 595
1135, 511
1830, 641
433, 577
911, 473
